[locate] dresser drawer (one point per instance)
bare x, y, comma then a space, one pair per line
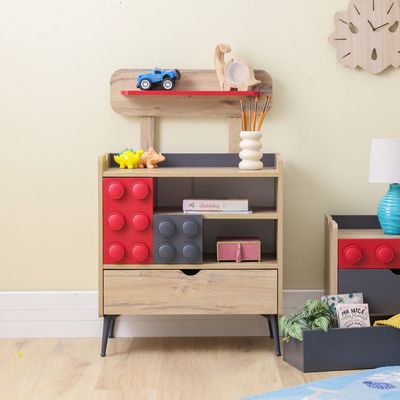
174, 292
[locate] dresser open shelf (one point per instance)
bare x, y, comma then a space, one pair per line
257, 213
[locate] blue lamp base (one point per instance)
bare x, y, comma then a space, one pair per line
389, 211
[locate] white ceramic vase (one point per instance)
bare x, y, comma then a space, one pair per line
251, 146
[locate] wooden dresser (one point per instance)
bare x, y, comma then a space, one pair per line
134, 203
208, 287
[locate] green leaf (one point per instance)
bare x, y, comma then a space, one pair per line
296, 332
312, 304
303, 324
283, 323
322, 323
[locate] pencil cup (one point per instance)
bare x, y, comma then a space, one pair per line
250, 154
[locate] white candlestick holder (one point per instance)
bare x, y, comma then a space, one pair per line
251, 146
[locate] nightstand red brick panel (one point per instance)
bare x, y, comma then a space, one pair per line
369, 253
127, 220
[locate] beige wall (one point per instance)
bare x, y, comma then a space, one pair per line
56, 61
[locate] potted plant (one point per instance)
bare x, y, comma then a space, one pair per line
315, 314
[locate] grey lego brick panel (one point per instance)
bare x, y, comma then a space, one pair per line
380, 288
341, 349
177, 239
259, 191
357, 221
204, 160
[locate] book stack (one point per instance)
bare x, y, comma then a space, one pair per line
197, 206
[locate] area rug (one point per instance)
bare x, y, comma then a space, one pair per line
380, 383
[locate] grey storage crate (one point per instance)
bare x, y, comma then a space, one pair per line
342, 349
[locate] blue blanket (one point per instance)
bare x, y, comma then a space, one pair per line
380, 383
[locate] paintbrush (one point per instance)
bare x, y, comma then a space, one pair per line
255, 114
249, 114
243, 115
263, 113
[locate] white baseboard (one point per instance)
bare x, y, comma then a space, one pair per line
74, 314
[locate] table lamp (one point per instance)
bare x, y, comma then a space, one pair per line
385, 168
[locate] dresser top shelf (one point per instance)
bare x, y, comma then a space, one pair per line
364, 234
184, 172
358, 227
196, 166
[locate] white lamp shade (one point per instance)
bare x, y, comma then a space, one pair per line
384, 166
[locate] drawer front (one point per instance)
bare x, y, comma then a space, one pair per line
369, 253
380, 288
207, 292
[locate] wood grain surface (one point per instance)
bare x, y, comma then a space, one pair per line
145, 369
279, 231
209, 262
125, 79
331, 256
235, 127
190, 172
207, 292
147, 132
364, 234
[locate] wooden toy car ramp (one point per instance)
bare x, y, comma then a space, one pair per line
196, 94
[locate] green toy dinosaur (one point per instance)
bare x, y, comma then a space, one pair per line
128, 158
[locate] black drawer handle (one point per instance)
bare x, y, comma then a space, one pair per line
396, 271
190, 272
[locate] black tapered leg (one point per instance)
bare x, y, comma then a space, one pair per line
275, 333
106, 329
270, 328
112, 324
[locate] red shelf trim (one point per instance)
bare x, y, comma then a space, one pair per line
253, 93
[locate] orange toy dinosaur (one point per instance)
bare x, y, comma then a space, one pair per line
150, 159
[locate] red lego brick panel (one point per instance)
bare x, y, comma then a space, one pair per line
369, 253
127, 220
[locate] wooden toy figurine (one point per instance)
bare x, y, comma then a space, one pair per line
150, 159
236, 73
128, 158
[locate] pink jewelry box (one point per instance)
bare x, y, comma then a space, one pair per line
238, 249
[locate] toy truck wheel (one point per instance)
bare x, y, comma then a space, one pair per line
168, 83
145, 84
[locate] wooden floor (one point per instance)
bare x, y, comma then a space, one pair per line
148, 369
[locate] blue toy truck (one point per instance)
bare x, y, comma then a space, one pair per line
164, 78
